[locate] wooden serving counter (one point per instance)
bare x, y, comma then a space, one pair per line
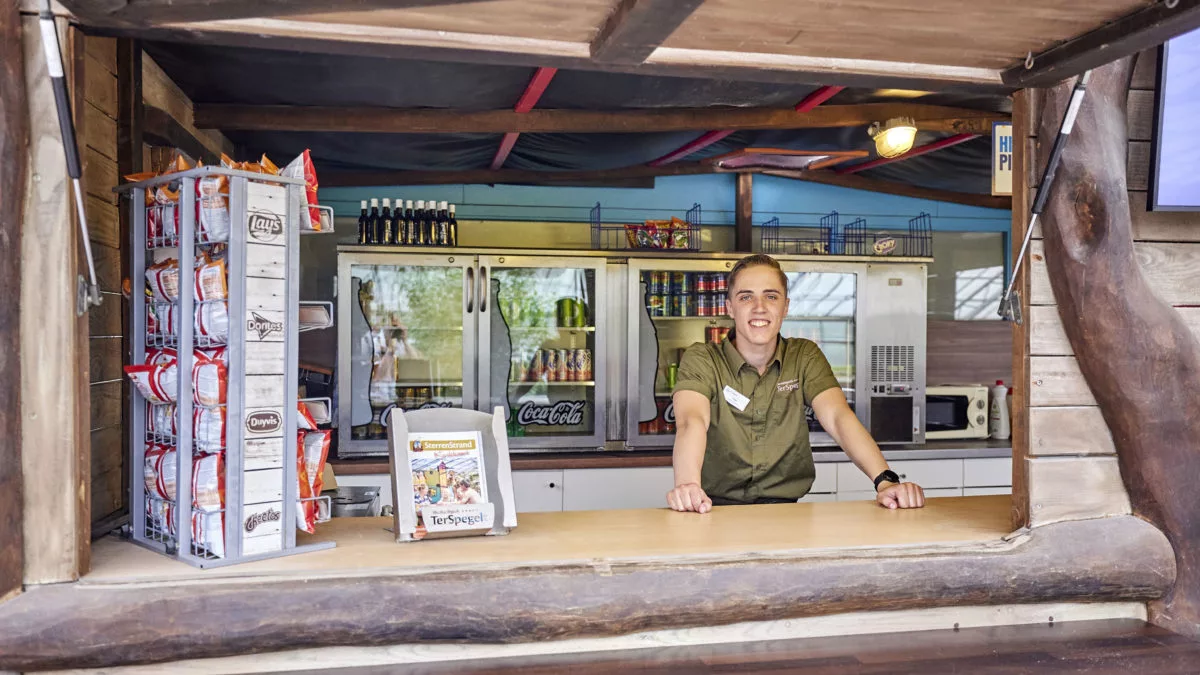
568, 575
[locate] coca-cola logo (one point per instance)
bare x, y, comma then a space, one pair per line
669, 413
435, 404
265, 226
264, 422
260, 324
256, 519
563, 413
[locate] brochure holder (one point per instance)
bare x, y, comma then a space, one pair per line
496, 514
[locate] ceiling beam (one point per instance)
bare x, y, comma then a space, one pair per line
915, 152
814, 99
447, 46
1143, 29
158, 12
505, 176
637, 27
529, 98
692, 147
893, 188
432, 121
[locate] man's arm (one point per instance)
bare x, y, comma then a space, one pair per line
691, 436
839, 420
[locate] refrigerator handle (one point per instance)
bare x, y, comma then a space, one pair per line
484, 291
470, 289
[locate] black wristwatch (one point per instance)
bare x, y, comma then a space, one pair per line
887, 475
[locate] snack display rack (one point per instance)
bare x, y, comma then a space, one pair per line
660, 236
830, 237
255, 515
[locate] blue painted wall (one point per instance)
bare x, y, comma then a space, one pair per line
796, 203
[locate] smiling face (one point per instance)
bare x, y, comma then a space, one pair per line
757, 303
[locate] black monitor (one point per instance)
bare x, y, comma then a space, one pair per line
1175, 163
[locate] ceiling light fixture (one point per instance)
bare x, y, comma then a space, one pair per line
894, 137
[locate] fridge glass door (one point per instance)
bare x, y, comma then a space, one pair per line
823, 309
540, 350
409, 342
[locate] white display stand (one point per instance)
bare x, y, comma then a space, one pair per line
497, 469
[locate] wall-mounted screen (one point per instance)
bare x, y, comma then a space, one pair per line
1175, 166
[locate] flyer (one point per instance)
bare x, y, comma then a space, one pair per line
449, 489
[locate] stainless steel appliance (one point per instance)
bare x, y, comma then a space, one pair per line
956, 411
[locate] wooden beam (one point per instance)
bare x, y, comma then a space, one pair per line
1136, 354
1144, 29
706, 139
529, 98
105, 624
915, 152
744, 217
160, 128
14, 140
450, 47
821, 95
51, 348
155, 12
637, 27
1022, 437
428, 121
507, 176
893, 188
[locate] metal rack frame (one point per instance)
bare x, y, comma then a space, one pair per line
615, 237
830, 237
155, 533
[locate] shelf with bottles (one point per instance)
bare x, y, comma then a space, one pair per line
713, 320
435, 225
421, 329
551, 383
560, 329
419, 383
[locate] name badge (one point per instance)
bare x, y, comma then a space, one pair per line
735, 398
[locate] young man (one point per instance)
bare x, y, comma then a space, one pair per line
741, 434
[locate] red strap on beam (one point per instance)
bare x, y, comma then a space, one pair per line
915, 152
529, 98
816, 98
700, 143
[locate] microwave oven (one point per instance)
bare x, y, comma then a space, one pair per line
956, 411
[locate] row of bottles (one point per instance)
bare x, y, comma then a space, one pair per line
432, 225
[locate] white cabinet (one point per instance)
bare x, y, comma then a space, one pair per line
826, 481
928, 473
597, 489
931, 493
990, 472
982, 491
819, 497
538, 490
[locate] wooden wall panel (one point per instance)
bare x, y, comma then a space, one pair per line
1145, 70
55, 487
968, 352
104, 222
1022, 154
104, 51
1137, 165
99, 131
108, 268
101, 87
1162, 225
107, 399
1073, 430
1047, 337
1139, 115
1056, 380
105, 358
1074, 488
1169, 268
99, 175
14, 170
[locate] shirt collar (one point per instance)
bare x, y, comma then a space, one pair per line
734, 358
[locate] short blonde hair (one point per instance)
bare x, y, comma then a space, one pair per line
756, 260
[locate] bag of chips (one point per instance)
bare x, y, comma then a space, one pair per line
212, 321
158, 379
302, 167
304, 419
208, 428
680, 234
166, 467
212, 208
208, 482
306, 509
210, 379
150, 467
311, 452
208, 532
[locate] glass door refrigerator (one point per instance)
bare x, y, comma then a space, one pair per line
676, 303
540, 352
406, 338
475, 332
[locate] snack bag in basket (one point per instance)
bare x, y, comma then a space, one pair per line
163, 280
154, 452
210, 380
208, 482
631, 235
306, 511
304, 418
212, 321
208, 428
208, 531
302, 167
158, 379
166, 468
679, 233
211, 281
212, 208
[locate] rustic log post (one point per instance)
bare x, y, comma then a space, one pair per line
14, 148
744, 217
1137, 356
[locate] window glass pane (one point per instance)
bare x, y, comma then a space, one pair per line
966, 277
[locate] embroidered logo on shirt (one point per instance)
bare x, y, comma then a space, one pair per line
787, 385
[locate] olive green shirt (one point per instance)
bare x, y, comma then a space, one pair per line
762, 452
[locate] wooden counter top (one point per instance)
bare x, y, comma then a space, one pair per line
364, 545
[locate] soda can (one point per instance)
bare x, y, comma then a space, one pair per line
537, 366
722, 283
585, 365
562, 372
656, 305
681, 283
677, 305
662, 282
551, 364
712, 334
718, 305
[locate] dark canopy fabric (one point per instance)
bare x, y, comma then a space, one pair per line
212, 74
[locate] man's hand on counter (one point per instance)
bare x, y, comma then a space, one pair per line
689, 497
900, 495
